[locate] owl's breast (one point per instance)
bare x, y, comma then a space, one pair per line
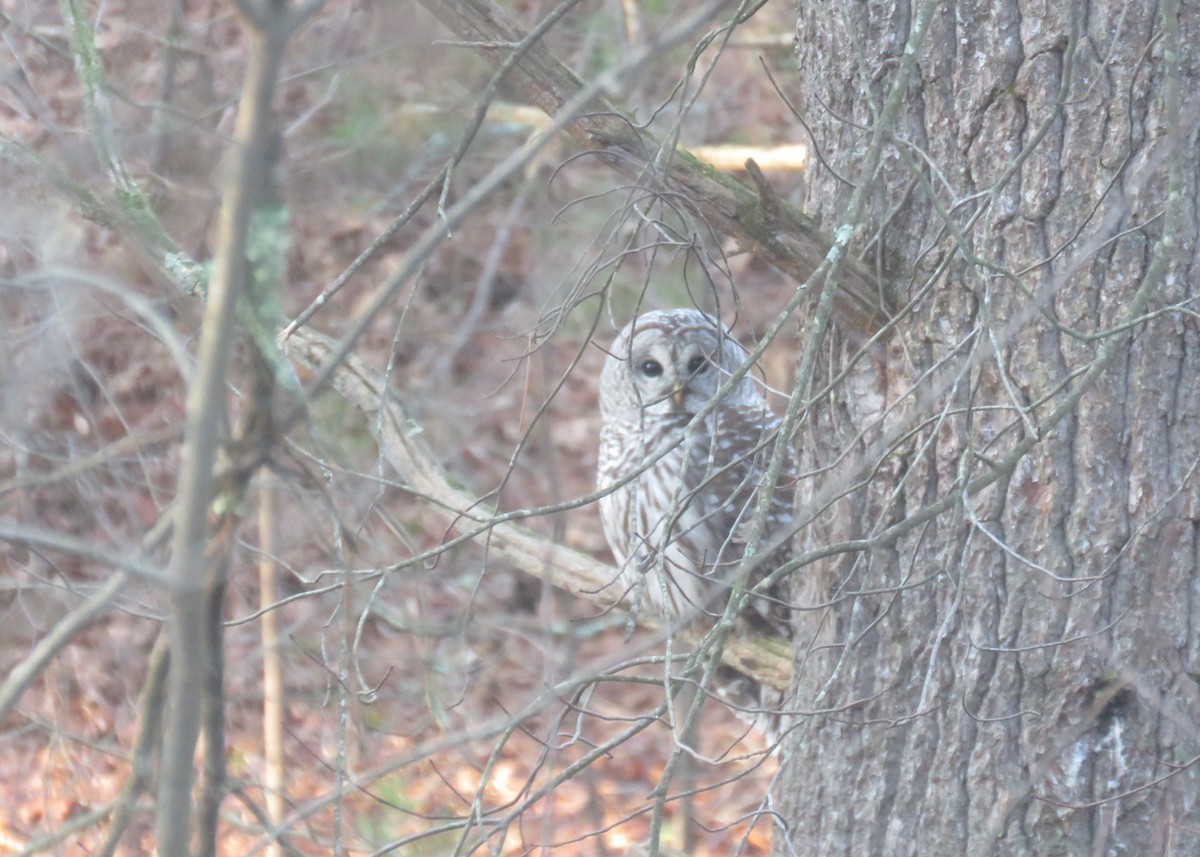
668, 525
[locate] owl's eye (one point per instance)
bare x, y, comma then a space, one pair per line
696, 364
650, 368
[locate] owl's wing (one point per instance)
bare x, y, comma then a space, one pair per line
741, 443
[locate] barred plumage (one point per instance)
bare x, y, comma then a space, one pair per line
679, 529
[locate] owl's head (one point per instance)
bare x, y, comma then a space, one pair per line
672, 362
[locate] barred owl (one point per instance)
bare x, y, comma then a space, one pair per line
679, 528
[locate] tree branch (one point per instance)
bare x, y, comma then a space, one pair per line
785, 237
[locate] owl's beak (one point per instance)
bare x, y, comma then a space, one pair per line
678, 396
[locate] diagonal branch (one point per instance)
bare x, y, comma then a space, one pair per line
769, 227
402, 444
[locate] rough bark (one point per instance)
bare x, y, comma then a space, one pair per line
1014, 675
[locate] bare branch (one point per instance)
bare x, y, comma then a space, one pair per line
796, 246
24, 674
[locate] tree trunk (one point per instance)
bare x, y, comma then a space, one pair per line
1007, 665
